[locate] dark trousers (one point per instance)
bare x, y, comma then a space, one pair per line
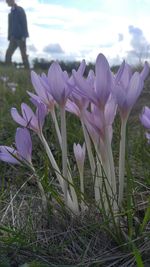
13, 44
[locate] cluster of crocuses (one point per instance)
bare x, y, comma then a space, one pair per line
95, 100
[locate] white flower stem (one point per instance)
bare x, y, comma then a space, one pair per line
92, 161
82, 189
81, 182
72, 190
60, 143
64, 149
98, 176
73, 205
89, 148
122, 160
53, 114
112, 179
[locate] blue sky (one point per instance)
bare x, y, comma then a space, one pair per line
77, 29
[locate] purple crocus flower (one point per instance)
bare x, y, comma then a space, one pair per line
101, 119
72, 108
145, 120
43, 95
128, 89
30, 119
97, 89
79, 153
57, 81
23, 149
145, 117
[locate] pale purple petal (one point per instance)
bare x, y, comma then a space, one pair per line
6, 154
93, 132
37, 84
83, 88
146, 111
17, 117
145, 120
126, 76
82, 67
110, 110
29, 116
119, 73
103, 83
79, 153
145, 72
135, 88
94, 122
72, 107
41, 113
80, 71
128, 89
23, 144
91, 78
34, 98
57, 83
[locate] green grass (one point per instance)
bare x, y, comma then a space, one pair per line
30, 236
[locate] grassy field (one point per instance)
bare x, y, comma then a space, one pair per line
29, 236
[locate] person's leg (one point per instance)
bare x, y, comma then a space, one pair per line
10, 50
22, 46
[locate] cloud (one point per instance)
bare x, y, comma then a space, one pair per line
140, 47
32, 48
53, 49
137, 37
120, 37
106, 45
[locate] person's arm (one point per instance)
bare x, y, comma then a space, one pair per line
9, 30
23, 21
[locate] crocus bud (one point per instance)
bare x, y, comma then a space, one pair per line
79, 153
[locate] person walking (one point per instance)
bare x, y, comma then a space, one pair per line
17, 33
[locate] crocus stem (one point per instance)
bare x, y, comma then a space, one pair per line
68, 201
91, 159
98, 178
89, 148
98, 181
64, 149
73, 193
122, 160
82, 189
112, 168
81, 182
53, 114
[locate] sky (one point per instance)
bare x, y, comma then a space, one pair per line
71, 30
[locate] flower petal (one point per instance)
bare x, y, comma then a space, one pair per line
29, 116
23, 143
17, 117
37, 84
145, 71
57, 82
103, 79
135, 88
6, 154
